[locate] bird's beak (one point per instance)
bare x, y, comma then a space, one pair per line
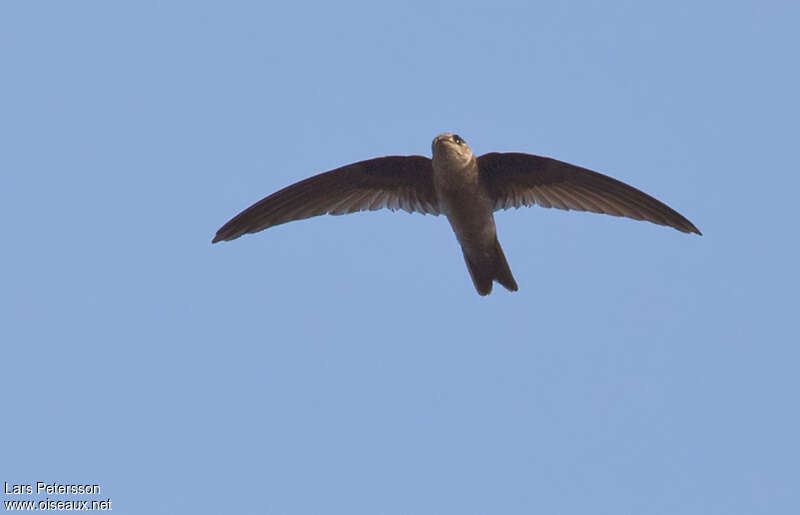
435, 144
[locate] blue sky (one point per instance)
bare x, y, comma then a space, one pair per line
346, 364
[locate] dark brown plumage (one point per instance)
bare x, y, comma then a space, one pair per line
516, 180
393, 182
464, 188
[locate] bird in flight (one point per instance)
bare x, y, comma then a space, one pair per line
464, 188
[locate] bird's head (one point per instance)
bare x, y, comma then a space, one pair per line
451, 148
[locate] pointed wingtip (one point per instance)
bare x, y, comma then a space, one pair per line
225, 235
689, 230
684, 226
692, 229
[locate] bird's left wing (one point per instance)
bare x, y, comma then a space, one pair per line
515, 180
393, 182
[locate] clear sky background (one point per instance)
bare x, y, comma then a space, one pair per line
346, 364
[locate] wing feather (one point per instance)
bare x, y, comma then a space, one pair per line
396, 182
515, 180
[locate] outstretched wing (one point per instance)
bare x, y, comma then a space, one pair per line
516, 180
394, 182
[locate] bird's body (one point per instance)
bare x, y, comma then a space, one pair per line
466, 189
465, 201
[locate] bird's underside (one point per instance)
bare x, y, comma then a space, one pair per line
464, 188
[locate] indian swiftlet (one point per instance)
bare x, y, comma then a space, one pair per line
464, 188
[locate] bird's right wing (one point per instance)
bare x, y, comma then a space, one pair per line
393, 182
515, 180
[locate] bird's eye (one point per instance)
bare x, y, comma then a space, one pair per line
458, 139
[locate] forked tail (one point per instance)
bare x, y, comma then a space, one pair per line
492, 266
